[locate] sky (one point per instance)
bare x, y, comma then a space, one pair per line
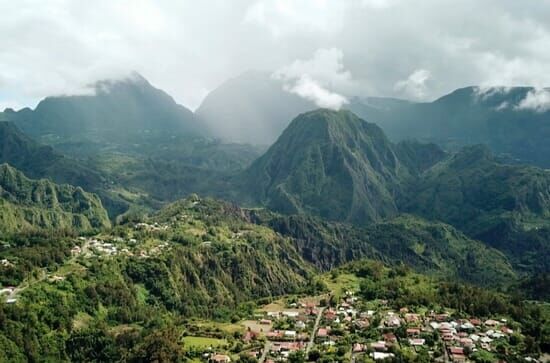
324, 50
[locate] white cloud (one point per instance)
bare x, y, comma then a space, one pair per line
326, 65
415, 86
537, 100
378, 4
316, 79
282, 17
186, 47
309, 89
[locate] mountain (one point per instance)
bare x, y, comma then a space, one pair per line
430, 247
501, 204
509, 120
43, 162
117, 114
255, 108
252, 108
40, 161
314, 244
28, 204
331, 164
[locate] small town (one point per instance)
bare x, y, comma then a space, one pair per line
354, 330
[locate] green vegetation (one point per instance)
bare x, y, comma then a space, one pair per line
507, 206
468, 116
330, 164
41, 204
430, 247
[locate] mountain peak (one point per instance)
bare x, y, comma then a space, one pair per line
329, 163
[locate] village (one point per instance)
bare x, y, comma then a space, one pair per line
358, 331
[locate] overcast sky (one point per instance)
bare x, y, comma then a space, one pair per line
410, 49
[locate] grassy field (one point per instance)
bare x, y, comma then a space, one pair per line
342, 283
203, 342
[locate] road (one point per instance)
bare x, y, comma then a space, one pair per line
267, 347
314, 332
44, 275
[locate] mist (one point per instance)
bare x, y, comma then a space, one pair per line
413, 50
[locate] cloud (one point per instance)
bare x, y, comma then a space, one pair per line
281, 17
378, 4
309, 89
415, 86
312, 78
537, 100
189, 47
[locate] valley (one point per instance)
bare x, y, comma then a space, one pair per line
132, 233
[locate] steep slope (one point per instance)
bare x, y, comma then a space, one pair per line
330, 164
39, 161
315, 244
40, 204
495, 202
251, 108
499, 117
117, 115
430, 247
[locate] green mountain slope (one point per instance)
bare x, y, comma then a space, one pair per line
331, 164
470, 116
429, 247
498, 203
118, 115
40, 204
39, 161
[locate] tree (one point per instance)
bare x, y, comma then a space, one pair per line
92, 345
161, 346
313, 355
296, 357
247, 358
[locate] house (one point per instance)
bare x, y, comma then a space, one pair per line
413, 331
358, 348
475, 322
412, 318
381, 355
466, 342
456, 350
323, 333
417, 342
457, 354
291, 314
390, 338
290, 334
491, 322
330, 314
379, 346
265, 322
393, 321
220, 358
